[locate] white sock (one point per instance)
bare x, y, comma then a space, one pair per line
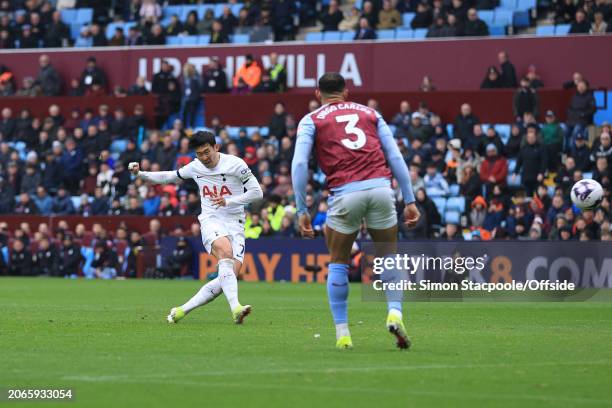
206, 294
342, 330
228, 281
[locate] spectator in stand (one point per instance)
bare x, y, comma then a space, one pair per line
46, 259
388, 17
492, 79
105, 263
438, 28
43, 201
57, 33
62, 204
281, 18
277, 126
565, 12
48, 80
531, 162
30, 180
573, 83
534, 79
20, 260
218, 35
552, 135
192, 88
161, 79
423, 17
134, 37
525, 100
139, 88
155, 36
27, 39
493, 170
249, 72
581, 153
331, 17
214, 79
191, 24
150, 12
166, 156
402, 120
602, 172
175, 27
25, 205
460, 10
474, 26
98, 36
581, 24
92, 75
118, 38
369, 12
508, 73
580, 113
70, 257
350, 21
602, 147
464, 123
71, 161
278, 74
364, 32
599, 26
435, 181
204, 26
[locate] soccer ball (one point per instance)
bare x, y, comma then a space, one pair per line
587, 194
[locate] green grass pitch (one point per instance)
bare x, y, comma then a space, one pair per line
109, 341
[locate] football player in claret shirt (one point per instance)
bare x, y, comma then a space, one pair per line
226, 185
358, 154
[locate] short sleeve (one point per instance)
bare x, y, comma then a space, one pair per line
186, 172
242, 171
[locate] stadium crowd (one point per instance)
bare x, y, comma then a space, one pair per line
39, 23
511, 186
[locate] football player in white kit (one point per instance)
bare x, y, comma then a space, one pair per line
226, 185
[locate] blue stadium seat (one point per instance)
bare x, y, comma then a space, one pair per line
76, 202
545, 30
503, 130
507, 5
486, 16
204, 39
264, 131
502, 18
169, 11
111, 27
252, 129
83, 42
455, 204
454, 190
241, 38
511, 165
440, 203
5, 254
219, 10
402, 34
75, 30
189, 40
407, 19
386, 34
332, 36
314, 37
420, 33
88, 254
525, 5
587, 175
551, 190
69, 16
173, 40
433, 193
452, 217
236, 8
521, 19
449, 129
562, 29
233, 131
347, 36
497, 31
513, 183
84, 16
118, 146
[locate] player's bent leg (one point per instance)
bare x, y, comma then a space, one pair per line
386, 245
207, 293
222, 250
339, 245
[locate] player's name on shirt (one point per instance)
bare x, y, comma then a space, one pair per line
322, 114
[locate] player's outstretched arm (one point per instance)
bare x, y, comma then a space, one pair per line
253, 193
299, 173
157, 177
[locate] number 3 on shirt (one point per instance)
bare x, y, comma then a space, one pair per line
351, 129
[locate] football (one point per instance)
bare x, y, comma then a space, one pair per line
587, 194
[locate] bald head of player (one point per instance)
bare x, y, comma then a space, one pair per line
332, 88
205, 146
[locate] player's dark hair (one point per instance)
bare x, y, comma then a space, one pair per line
202, 138
331, 83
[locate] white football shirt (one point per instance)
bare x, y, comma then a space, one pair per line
226, 179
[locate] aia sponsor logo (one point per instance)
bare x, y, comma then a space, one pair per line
213, 191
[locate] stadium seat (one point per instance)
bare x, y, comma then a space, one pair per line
186, 9
173, 40
433, 193
75, 30
502, 18
233, 131
386, 34
545, 30
5, 254
503, 130
111, 27
440, 203
455, 204
347, 36
332, 35
420, 33
88, 254
240, 38
76, 202
252, 129
562, 29
236, 8
69, 16
169, 11
512, 182
402, 34
189, 40
219, 10
407, 19
497, 31
507, 5
84, 16
551, 191
521, 19
264, 131
587, 175
454, 190
452, 217
204, 39
525, 5
314, 37
83, 42
118, 146
511, 165
486, 16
